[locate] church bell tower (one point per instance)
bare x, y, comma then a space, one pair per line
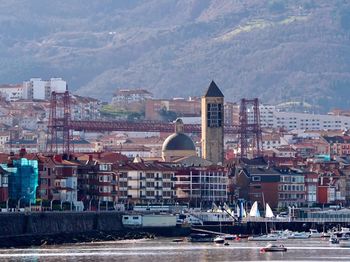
213, 124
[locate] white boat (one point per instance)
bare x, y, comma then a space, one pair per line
285, 234
219, 240
269, 237
326, 234
315, 234
273, 248
211, 218
299, 235
229, 237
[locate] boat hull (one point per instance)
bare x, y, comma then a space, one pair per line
278, 249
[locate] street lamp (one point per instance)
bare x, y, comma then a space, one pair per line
7, 204
90, 204
30, 202
51, 204
19, 202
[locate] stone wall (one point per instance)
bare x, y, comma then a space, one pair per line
12, 224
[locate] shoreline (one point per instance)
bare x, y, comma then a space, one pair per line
26, 241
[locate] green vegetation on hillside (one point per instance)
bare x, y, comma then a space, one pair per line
276, 50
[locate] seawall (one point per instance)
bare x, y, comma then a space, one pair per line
26, 229
12, 224
37, 228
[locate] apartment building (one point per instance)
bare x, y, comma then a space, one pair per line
201, 186
140, 182
36, 88
270, 117
291, 189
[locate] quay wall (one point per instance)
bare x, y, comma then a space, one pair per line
15, 224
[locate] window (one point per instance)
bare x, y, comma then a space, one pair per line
256, 178
214, 115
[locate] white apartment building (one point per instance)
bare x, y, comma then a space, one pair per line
11, 92
271, 118
267, 115
36, 88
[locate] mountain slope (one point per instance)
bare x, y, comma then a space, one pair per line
276, 50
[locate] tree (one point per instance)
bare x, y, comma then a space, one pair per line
167, 115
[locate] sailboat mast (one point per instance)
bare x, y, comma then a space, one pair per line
263, 197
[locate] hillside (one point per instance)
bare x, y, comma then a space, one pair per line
277, 50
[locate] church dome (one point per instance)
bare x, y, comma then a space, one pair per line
178, 141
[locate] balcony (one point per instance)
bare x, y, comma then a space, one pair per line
173, 179
158, 187
158, 178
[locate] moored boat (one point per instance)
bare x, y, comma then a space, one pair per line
177, 240
315, 234
273, 248
219, 240
264, 238
299, 235
229, 237
200, 238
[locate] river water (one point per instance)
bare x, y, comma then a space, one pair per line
163, 249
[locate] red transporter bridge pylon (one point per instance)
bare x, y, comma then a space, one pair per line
250, 133
61, 125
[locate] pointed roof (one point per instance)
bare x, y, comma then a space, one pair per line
213, 91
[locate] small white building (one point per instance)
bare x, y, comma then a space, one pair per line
126, 96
